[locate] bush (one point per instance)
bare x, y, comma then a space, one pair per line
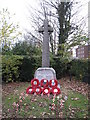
28, 67
19, 68
80, 68
22, 68
77, 68
60, 67
10, 67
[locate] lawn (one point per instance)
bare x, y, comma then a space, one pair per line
71, 103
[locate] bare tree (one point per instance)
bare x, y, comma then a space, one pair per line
61, 18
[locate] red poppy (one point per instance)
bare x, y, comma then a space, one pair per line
34, 82
53, 83
42, 88
56, 90
30, 90
46, 91
44, 83
38, 90
50, 89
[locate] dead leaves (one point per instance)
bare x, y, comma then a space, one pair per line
42, 104
74, 98
66, 86
45, 113
74, 85
65, 98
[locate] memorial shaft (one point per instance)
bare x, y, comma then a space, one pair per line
45, 47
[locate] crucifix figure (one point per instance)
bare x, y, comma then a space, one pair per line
46, 30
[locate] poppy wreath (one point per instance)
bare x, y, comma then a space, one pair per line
46, 91
30, 90
34, 82
56, 90
53, 83
38, 90
50, 89
42, 88
44, 83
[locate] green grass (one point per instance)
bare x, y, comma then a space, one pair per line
30, 108
76, 108
33, 107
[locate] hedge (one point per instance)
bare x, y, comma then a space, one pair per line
60, 67
10, 67
28, 67
78, 68
22, 68
19, 68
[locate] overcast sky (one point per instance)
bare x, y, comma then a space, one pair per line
19, 7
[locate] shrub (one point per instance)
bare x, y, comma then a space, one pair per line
60, 66
10, 67
19, 68
79, 68
28, 67
22, 68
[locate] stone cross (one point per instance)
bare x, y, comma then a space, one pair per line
46, 29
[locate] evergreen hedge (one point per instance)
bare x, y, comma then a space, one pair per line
78, 68
19, 68
22, 68
10, 67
